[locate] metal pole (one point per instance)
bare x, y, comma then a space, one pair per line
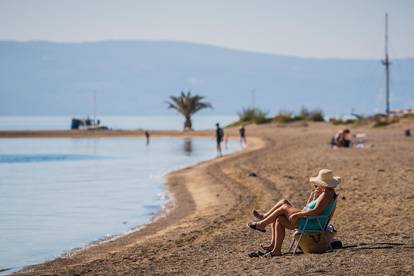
387, 64
253, 99
94, 105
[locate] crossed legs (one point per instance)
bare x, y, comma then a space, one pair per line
282, 208
277, 216
276, 206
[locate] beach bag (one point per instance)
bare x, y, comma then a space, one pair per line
317, 242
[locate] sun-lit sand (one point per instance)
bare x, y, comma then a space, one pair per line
205, 232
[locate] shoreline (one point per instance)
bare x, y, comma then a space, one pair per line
176, 196
170, 197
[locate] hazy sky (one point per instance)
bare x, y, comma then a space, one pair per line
310, 28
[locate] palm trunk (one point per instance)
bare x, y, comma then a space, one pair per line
188, 124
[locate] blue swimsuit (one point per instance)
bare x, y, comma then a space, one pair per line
312, 222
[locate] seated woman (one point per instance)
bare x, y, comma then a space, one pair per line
283, 215
342, 139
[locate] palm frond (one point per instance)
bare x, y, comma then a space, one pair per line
187, 104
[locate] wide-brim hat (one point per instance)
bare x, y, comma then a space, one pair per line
326, 178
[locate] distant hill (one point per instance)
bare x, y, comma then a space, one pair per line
136, 78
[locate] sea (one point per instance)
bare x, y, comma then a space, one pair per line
113, 122
58, 194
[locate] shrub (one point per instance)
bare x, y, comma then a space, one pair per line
381, 124
381, 120
254, 115
284, 117
316, 116
303, 115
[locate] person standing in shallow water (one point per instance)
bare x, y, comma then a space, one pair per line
219, 139
147, 136
242, 132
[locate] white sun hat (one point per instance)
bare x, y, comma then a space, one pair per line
326, 178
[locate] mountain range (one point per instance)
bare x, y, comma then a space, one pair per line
137, 77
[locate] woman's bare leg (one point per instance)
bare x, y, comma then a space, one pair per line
272, 243
281, 224
276, 206
284, 210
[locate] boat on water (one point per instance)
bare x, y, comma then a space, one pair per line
86, 124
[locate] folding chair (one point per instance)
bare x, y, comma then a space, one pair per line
322, 229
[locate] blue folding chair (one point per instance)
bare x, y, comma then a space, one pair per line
321, 229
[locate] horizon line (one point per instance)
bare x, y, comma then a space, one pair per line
196, 43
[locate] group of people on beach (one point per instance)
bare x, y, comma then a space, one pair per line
220, 137
283, 215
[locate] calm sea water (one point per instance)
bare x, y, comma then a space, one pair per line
57, 194
114, 122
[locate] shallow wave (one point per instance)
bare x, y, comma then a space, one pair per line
30, 158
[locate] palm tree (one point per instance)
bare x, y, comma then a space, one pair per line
187, 105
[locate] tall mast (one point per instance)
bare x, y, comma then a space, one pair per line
387, 64
253, 99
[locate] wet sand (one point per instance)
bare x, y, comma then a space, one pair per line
205, 231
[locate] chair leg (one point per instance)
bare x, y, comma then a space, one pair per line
295, 246
297, 243
291, 244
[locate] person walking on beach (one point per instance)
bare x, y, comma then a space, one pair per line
219, 139
242, 132
147, 136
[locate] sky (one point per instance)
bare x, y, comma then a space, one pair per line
307, 28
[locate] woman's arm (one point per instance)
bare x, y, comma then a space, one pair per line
311, 197
322, 202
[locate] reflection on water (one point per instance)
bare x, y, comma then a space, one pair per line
188, 146
29, 158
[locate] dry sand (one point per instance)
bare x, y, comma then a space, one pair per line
205, 232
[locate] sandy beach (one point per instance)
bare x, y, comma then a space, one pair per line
204, 232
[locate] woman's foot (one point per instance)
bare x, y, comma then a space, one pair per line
272, 254
258, 215
255, 226
267, 248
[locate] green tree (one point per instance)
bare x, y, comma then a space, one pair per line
187, 105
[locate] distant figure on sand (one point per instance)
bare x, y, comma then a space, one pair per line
407, 132
359, 140
147, 136
283, 215
219, 139
242, 132
341, 139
